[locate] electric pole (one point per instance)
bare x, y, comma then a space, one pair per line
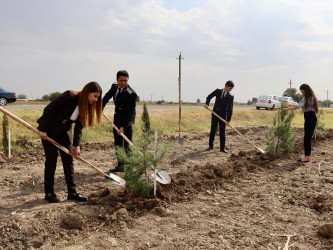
180, 141
290, 87
327, 99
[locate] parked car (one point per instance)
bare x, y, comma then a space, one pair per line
6, 97
268, 102
287, 100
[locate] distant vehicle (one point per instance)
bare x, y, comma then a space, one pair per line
287, 100
268, 102
6, 97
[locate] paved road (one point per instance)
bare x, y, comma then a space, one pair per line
41, 107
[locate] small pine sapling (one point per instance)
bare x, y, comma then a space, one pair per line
280, 136
320, 126
5, 133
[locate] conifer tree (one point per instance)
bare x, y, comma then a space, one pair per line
320, 126
140, 158
280, 136
4, 133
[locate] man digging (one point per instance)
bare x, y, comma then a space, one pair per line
223, 107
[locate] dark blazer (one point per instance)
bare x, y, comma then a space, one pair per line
56, 121
125, 104
222, 107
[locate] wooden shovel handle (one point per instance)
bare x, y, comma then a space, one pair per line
231, 127
50, 140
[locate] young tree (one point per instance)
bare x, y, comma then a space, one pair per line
280, 136
320, 127
140, 158
5, 133
21, 96
46, 98
292, 92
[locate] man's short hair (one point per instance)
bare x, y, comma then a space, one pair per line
229, 84
122, 73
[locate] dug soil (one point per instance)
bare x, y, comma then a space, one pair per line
240, 200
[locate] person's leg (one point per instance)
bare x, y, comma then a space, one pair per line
212, 131
222, 135
118, 143
67, 162
51, 154
128, 132
309, 127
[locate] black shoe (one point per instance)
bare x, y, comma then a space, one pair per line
117, 169
300, 160
77, 197
52, 198
209, 148
223, 150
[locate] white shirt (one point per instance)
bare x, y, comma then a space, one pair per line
75, 114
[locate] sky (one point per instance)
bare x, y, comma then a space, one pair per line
49, 46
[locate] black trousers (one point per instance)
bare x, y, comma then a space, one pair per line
213, 127
51, 155
119, 141
309, 127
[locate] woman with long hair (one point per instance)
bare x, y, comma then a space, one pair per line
81, 108
309, 105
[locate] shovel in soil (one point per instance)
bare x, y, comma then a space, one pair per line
114, 179
161, 176
259, 149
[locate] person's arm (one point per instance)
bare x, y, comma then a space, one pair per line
209, 97
129, 111
77, 137
50, 110
108, 96
230, 109
295, 106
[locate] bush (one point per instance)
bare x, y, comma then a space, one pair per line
320, 127
5, 133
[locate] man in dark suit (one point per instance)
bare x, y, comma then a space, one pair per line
223, 107
124, 116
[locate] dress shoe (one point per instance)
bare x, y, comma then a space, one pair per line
117, 169
223, 150
77, 197
52, 198
209, 148
301, 160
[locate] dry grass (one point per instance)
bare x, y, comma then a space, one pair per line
166, 120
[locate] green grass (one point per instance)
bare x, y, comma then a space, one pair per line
166, 120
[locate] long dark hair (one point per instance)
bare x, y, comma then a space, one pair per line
308, 93
87, 111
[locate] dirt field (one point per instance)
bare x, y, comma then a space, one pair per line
239, 200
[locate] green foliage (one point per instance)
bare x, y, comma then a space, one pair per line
46, 98
292, 92
140, 158
21, 96
54, 95
280, 137
320, 126
4, 133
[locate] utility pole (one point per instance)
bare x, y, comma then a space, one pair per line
290, 87
327, 99
180, 141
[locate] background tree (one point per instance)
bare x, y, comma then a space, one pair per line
198, 101
5, 133
21, 96
54, 95
280, 136
46, 98
292, 92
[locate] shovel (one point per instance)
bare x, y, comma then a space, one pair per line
161, 176
113, 178
259, 149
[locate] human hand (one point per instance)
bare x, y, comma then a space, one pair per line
42, 135
121, 130
206, 106
77, 151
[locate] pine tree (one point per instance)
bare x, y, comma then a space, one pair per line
280, 137
320, 127
4, 133
140, 158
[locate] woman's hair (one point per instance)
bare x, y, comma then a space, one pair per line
86, 110
308, 93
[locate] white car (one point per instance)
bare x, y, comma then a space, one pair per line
287, 100
268, 102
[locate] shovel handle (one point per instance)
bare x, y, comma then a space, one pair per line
231, 127
24, 123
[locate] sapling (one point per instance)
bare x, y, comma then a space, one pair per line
280, 136
320, 126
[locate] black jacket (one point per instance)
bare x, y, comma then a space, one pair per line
56, 118
222, 107
125, 104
